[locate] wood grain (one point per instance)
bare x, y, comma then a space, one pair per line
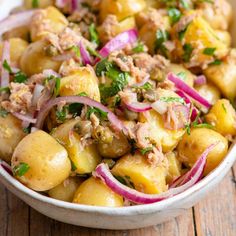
214, 216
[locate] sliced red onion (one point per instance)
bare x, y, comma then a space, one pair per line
180, 84
194, 175
119, 42
86, 59
160, 107
200, 80
74, 5
60, 3
78, 99
37, 93
6, 167
26, 118
16, 20
5, 75
138, 106
50, 72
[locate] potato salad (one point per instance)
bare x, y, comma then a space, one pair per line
116, 102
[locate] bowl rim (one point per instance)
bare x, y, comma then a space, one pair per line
222, 169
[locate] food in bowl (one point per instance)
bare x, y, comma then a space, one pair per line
116, 103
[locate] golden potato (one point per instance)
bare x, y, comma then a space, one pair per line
83, 80
17, 48
19, 32
192, 146
44, 21
174, 167
183, 73
224, 77
137, 172
224, 37
11, 133
85, 159
34, 59
94, 192
40, 4
66, 190
209, 91
121, 8
223, 117
47, 160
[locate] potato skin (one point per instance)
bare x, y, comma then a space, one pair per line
145, 177
11, 133
34, 59
224, 37
48, 161
83, 80
41, 4
66, 190
94, 192
223, 117
192, 146
174, 167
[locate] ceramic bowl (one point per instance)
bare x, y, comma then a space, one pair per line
119, 218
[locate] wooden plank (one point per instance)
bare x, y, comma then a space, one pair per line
4, 211
216, 214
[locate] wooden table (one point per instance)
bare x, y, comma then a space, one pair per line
214, 216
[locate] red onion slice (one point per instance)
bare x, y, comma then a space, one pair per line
195, 174
160, 107
180, 84
26, 118
6, 167
200, 80
119, 42
78, 99
138, 106
60, 3
5, 75
86, 59
37, 93
16, 20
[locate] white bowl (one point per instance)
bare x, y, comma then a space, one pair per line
120, 218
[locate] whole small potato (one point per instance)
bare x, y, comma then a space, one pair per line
192, 146
17, 48
47, 160
34, 59
11, 133
121, 8
66, 190
19, 32
94, 192
223, 117
209, 91
83, 80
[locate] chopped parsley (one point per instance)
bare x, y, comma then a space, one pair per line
61, 115
188, 49
139, 48
184, 4
209, 51
224, 108
93, 34
126, 180
99, 112
216, 62
172, 99
76, 50
161, 37
174, 15
26, 130
20, 77
146, 86
93, 52
35, 3
146, 150
202, 125
73, 166
57, 86
182, 75
21, 169
7, 67
5, 89
3, 112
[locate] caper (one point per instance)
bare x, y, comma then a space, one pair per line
83, 127
103, 134
130, 115
51, 51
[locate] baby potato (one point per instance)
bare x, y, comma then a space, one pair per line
17, 48
34, 59
94, 192
137, 172
118, 147
47, 160
174, 167
85, 159
178, 69
167, 138
192, 146
224, 77
48, 20
66, 190
11, 133
209, 91
121, 8
223, 117
224, 37
29, 4
19, 32
83, 80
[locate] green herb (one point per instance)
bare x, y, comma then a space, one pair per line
172, 99
181, 34
35, 3
203, 125
75, 109
202, 1
174, 15
188, 49
188, 128
3, 112
61, 115
182, 75
216, 62
97, 111
146, 150
76, 50
185, 4
146, 86
139, 48
93, 34
83, 94
73, 166
94, 52
7, 67
126, 180
103, 66
209, 51
57, 86
161, 37
5, 89
26, 130
20, 77
224, 108
21, 169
